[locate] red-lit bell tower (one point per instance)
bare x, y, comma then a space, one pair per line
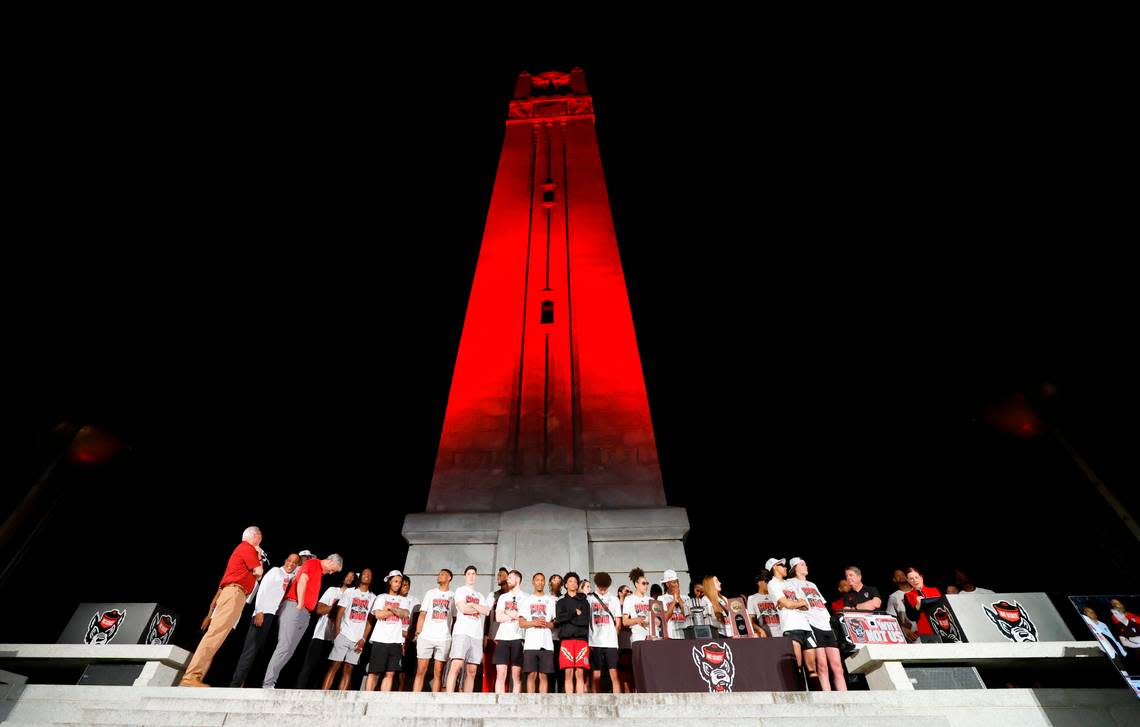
547, 428
548, 401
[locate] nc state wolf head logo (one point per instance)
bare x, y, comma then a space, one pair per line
104, 626
161, 629
944, 623
1012, 621
714, 662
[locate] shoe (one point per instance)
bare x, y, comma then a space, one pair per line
193, 683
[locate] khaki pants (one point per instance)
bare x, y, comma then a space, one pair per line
226, 613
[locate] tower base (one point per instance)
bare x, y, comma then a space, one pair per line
548, 539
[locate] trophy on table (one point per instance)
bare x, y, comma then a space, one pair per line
738, 616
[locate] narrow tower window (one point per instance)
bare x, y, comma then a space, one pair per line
547, 311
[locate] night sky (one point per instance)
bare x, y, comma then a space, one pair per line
256, 277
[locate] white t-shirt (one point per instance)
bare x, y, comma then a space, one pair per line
766, 612
357, 605
724, 623
413, 613
638, 607
976, 590
818, 615
603, 631
896, 605
271, 590
330, 597
534, 608
791, 619
680, 618
388, 629
469, 624
510, 601
438, 609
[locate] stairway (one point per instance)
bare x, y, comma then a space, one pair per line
91, 705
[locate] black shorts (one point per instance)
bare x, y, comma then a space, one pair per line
825, 639
384, 658
803, 636
602, 658
509, 653
538, 660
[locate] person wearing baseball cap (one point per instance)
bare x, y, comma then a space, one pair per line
387, 637
824, 655
676, 609
792, 610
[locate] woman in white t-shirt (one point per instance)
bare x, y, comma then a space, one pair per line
827, 661
716, 607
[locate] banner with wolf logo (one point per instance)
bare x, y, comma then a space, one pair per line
999, 617
716, 666
97, 624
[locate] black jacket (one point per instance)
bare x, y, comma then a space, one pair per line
573, 626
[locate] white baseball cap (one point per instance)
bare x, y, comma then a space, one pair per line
306, 554
392, 573
794, 562
670, 575
773, 561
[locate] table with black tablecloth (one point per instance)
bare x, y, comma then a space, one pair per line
738, 665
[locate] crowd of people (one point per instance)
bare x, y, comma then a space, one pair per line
564, 633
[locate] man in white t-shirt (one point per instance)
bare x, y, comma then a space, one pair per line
317, 654
433, 631
389, 609
351, 627
676, 609
509, 636
966, 584
537, 619
605, 609
269, 593
471, 607
637, 606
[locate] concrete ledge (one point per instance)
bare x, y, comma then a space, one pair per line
162, 665
868, 657
885, 665
78, 654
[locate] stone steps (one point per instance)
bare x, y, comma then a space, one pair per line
220, 707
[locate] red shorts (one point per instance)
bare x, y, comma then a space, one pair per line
574, 654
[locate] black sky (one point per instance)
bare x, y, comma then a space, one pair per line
257, 275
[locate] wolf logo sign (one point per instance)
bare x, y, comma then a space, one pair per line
161, 629
1012, 620
714, 663
104, 626
946, 626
